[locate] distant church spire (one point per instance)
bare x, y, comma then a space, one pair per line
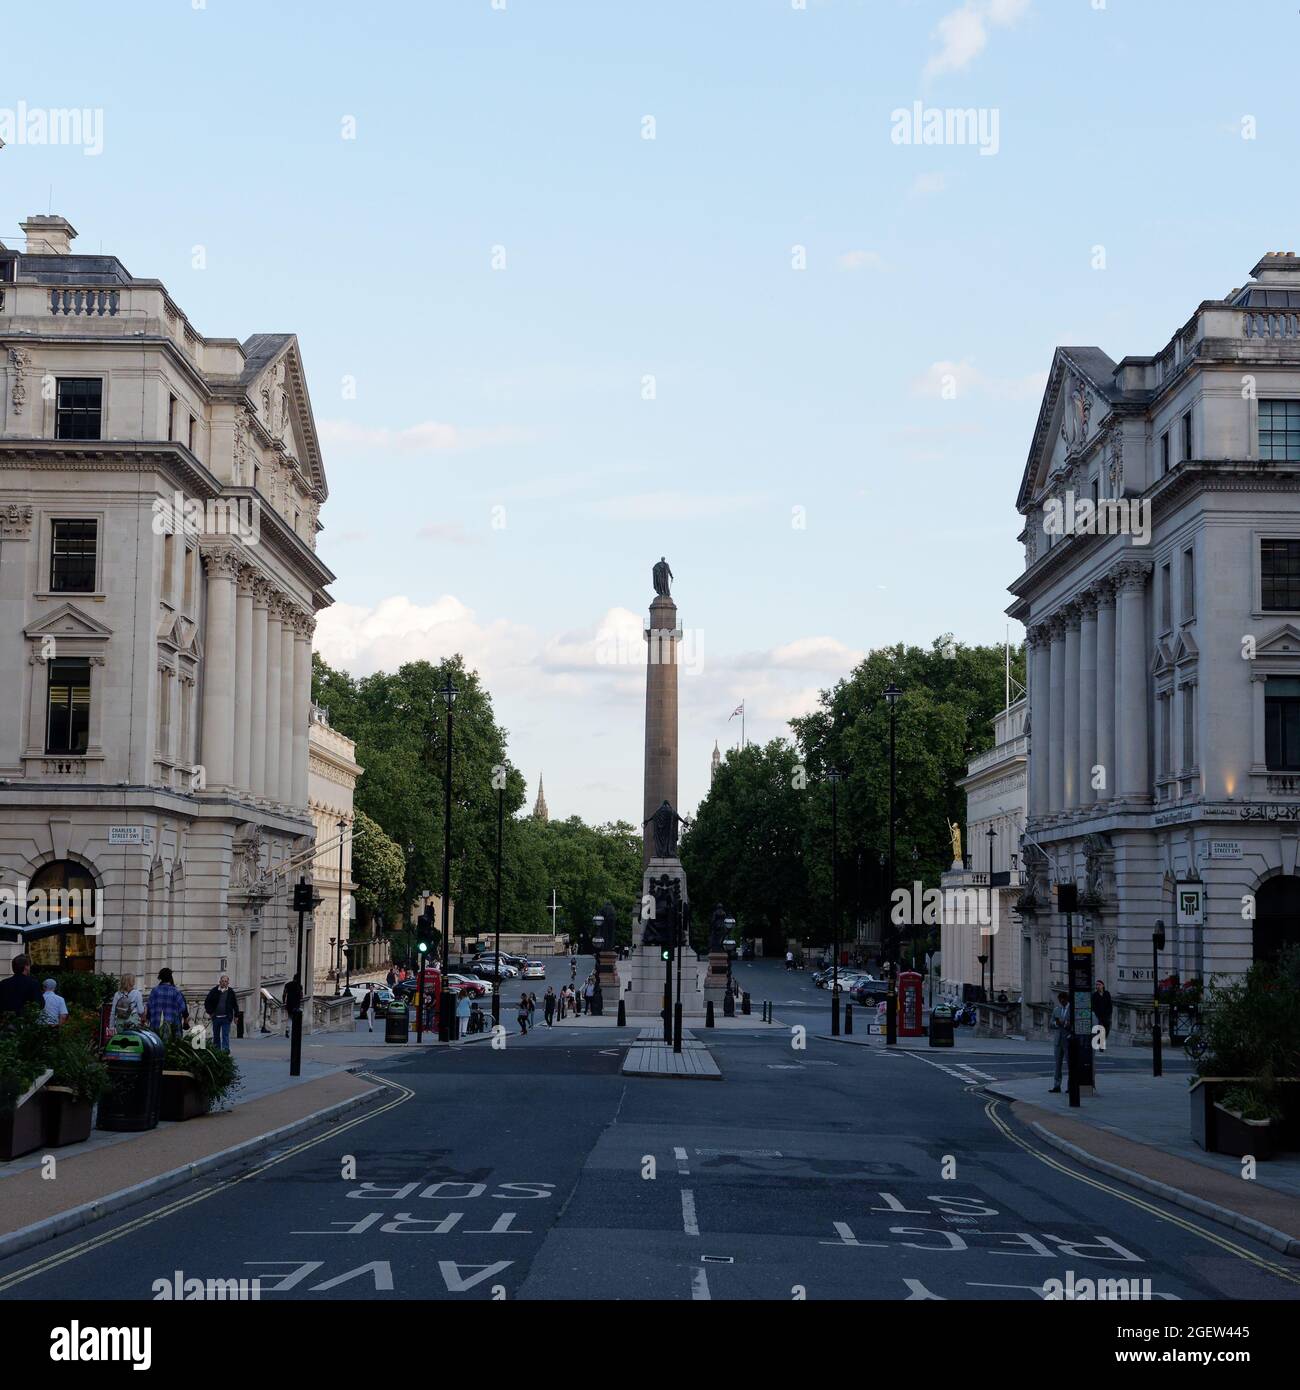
714, 761
539, 810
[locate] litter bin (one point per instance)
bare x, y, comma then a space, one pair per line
941, 1026
135, 1063
397, 1023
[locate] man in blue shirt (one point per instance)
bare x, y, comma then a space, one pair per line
167, 1006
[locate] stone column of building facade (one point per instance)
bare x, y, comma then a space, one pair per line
218, 755
1070, 701
303, 629
1039, 719
1132, 780
244, 680
1105, 592
284, 746
274, 623
257, 745
1087, 696
660, 713
1056, 720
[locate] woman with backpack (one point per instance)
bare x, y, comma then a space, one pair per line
522, 1016
127, 1008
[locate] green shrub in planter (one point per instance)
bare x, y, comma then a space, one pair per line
214, 1071
1251, 1103
74, 1058
1252, 1025
85, 989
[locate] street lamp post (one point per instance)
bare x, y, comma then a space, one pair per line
833, 776
992, 835
496, 962
338, 961
892, 693
1157, 945
445, 1014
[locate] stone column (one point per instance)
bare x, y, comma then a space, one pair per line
1133, 781
1039, 719
1056, 720
285, 745
303, 629
1071, 705
257, 719
274, 624
218, 757
244, 680
660, 713
1105, 592
1087, 696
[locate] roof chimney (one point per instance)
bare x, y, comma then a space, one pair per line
48, 236
1277, 268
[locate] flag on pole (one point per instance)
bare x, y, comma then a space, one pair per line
740, 709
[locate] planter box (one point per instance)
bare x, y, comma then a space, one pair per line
1237, 1138
1212, 1126
180, 1097
22, 1129
67, 1119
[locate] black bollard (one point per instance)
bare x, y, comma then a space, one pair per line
622, 1014
744, 1002
848, 1018
729, 1005
1072, 1058
708, 1013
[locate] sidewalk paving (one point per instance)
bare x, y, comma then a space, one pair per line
1138, 1128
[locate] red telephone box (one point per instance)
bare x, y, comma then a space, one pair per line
909, 1005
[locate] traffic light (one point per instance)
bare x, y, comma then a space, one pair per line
305, 898
665, 953
424, 948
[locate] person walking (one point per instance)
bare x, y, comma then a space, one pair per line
55, 1006
1060, 1036
1103, 1007
391, 980
292, 1002
587, 991
462, 1012
532, 1007
548, 1006
167, 1006
127, 1008
368, 1007
222, 1005
19, 989
521, 1017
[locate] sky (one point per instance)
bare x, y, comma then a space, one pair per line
581, 283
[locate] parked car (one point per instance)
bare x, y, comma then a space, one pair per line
467, 984
533, 970
486, 969
869, 991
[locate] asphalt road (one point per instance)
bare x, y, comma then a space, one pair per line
538, 1172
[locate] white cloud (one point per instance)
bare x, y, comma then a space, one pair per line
860, 260
963, 34
954, 380
427, 437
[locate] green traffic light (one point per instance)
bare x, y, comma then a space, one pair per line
663, 955
424, 948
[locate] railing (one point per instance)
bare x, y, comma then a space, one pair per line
1283, 786
999, 753
1270, 323
64, 767
84, 299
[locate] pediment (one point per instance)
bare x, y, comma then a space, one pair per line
1071, 417
1163, 660
276, 386
177, 632
1282, 641
1185, 649
68, 621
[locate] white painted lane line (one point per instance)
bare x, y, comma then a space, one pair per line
983, 1075
689, 1224
680, 1155
700, 1285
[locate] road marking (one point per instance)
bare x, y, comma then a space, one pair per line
991, 1110
689, 1222
680, 1155
983, 1075
700, 1285
95, 1242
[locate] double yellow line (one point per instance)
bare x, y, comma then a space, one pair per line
73, 1252
991, 1110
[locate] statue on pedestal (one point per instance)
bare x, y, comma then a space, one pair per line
718, 928
662, 577
664, 825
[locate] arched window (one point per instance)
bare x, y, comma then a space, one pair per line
67, 896
1277, 916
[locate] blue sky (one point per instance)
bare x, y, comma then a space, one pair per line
499, 484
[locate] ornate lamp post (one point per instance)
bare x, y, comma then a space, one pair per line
892, 694
447, 1012
496, 964
833, 776
992, 835
338, 960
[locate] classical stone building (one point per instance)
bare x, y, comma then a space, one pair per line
996, 792
1164, 646
159, 493
332, 772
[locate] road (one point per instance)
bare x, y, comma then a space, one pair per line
537, 1171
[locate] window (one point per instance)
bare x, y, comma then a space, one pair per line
1164, 453
1282, 724
79, 405
171, 417
1187, 435
1189, 727
1279, 430
68, 725
73, 889
189, 580
72, 557
1279, 569
1166, 599
191, 439
1165, 706
1189, 585
1096, 488
168, 567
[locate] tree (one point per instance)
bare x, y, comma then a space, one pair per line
378, 869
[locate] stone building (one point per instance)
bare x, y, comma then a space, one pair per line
1161, 593
995, 787
332, 772
159, 494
